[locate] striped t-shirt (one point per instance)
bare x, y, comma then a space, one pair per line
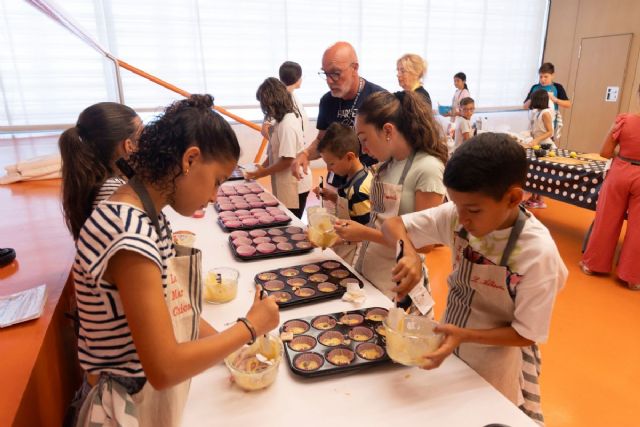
357, 191
108, 188
104, 342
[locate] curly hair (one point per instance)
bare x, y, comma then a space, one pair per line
185, 123
274, 99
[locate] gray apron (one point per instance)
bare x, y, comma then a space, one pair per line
373, 260
480, 298
109, 403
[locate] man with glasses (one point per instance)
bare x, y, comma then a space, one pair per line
347, 91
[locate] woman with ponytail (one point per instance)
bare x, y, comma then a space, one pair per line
400, 130
139, 296
104, 133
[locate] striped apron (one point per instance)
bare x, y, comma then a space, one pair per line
481, 297
110, 402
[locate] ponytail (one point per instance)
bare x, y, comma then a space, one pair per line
82, 176
411, 115
88, 152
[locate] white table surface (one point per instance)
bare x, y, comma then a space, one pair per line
452, 395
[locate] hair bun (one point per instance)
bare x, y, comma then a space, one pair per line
200, 101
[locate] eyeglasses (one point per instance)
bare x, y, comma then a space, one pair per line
333, 75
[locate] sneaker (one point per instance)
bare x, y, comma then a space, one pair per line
633, 286
585, 269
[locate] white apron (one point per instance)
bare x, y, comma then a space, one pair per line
480, 298
109, 403
346, 250
373, 260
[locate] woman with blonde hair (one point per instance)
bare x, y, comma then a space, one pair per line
411, 70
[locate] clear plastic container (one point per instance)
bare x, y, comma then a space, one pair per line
410, 337
321, 231
184, 238
255, 367
221, 285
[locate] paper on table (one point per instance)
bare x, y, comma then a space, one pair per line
22, 306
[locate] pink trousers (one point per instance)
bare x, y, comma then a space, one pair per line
620, 194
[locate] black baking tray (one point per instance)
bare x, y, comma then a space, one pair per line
286, 232
348, 347
321, 277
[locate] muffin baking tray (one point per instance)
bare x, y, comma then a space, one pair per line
335, 343
307, 283
243, 219
268, 243
232, 197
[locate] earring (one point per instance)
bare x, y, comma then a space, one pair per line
388, 140
186, 172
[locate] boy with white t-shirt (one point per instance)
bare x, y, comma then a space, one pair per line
464, 129
506, 268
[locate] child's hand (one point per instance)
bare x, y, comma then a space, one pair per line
326, 193
453, 337
259, 172
264, 314
407, 273
349, 231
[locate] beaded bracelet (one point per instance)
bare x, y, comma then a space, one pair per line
250, 327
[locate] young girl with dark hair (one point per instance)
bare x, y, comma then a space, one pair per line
462, 92
139, 296
285, 141
542, 118
399, 130
104, 133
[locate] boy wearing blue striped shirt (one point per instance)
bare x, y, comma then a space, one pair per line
339, 148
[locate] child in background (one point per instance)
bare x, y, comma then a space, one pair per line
557, 95
462, 91
290, 74
541, 131
285, 141
464, 128
506, 268
339, 148
541, 116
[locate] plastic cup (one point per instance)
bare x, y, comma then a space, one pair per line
321, 231
221, 285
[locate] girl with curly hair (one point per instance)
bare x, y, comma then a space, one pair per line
139, 296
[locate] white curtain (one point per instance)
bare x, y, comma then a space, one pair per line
226, 48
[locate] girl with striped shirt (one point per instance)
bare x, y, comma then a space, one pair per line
139, 295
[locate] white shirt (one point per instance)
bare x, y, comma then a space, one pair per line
535, 259
462, 126
286, 140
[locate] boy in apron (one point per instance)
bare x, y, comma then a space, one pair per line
339, 149
506, 268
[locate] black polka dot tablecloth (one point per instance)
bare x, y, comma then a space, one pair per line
575, 184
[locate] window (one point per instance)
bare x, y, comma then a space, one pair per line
227, 48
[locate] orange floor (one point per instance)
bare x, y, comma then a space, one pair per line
591, 363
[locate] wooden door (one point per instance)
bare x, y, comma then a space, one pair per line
602, 63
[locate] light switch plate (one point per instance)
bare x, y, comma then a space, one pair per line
612, 94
